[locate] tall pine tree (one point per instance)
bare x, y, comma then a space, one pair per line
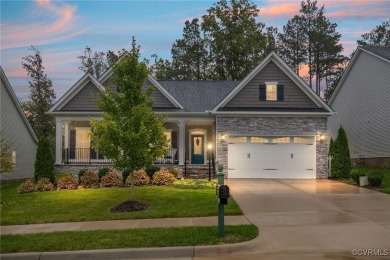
311, 39
291, 44
41, 98
190, 57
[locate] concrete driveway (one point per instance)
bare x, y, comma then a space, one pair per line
308, 219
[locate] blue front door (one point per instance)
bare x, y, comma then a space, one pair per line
197, 149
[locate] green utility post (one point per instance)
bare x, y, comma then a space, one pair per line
221, 207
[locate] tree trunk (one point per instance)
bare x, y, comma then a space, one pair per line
132, 186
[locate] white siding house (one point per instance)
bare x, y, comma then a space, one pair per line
17, 132
362, 104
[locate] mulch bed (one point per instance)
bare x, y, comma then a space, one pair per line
130, 205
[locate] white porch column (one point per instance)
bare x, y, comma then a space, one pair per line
66, 134
58, 141
182, 140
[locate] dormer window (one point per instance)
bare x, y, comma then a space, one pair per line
271, 91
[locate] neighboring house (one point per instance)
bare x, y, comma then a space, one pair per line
362, 104
17, 132
269, 125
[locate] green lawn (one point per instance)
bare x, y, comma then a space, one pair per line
385, 186
95, 204
129, 238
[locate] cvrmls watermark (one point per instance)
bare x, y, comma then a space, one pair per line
370, 252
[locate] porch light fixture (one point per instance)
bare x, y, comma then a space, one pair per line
322, 137
197, 141
210, 146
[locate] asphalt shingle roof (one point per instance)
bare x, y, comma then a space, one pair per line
198, 96
382, 51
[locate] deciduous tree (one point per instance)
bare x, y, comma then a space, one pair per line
380, 36
6, 164
235, 37
129, 134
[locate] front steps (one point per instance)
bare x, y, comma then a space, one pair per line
193, 171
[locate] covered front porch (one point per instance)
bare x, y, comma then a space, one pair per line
190, 142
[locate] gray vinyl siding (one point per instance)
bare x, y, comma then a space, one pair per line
16, 133
159, 98
107, 83
248, 96
362, 107
84, 100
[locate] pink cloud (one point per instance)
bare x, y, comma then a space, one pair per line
334, 9
277, 9
51, 22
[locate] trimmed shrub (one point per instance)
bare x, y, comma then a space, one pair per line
163, 177
151, 170
102, 172
26, 186
60, 175
126, 173
112, 179
89, 179
341, 162
195, 184
44, 162
375, 179
67, 183
173, 171
81, 173
140, 178
44, 184
355, 174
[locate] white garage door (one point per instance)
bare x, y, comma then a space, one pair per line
271, 157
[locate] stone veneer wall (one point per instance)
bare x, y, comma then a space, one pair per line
75, 168
269, 126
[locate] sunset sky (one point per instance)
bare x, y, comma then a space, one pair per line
61, 29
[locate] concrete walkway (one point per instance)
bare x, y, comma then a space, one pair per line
297, 219
121, 224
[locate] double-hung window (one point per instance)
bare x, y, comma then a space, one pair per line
271, 91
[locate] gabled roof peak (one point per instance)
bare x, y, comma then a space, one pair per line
382, 51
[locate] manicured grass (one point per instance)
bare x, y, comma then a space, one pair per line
385, 186
151, 237
95, 204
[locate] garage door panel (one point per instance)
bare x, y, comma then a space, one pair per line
253, 160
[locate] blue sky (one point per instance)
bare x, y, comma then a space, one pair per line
61, 29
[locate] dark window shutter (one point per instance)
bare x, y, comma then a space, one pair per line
72, 144
262, 92
280, 93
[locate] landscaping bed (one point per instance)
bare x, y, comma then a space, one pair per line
370, 172
95, 204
